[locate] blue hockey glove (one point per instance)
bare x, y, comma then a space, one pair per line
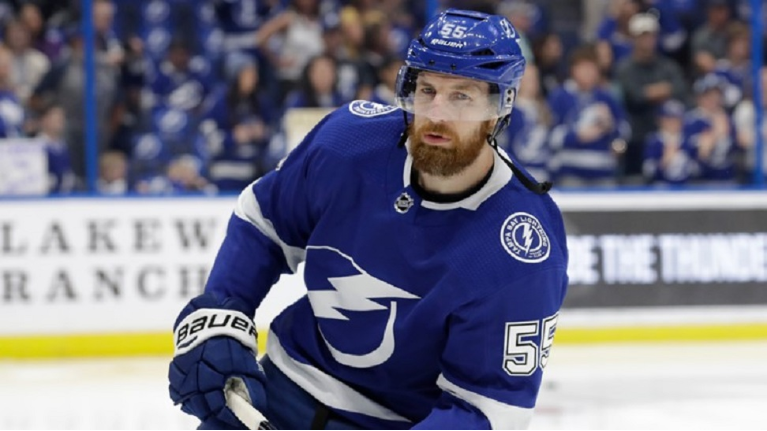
215, 349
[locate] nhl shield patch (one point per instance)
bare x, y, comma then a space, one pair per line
365, 108
523, 237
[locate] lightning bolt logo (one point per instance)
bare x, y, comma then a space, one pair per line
527, 236
355, 293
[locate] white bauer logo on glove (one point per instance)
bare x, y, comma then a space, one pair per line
207, 323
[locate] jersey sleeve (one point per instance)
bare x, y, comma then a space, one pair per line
496, 351
272, 221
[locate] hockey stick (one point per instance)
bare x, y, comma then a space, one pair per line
245, 412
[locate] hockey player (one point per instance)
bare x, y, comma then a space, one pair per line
435, 268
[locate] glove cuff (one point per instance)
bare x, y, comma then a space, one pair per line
206, 323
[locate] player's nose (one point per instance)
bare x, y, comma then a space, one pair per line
439, 109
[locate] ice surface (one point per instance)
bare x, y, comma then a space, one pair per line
632, 386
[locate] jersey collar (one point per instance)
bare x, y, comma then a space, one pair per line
499, 178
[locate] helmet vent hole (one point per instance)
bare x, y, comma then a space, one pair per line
483, 52
493, 66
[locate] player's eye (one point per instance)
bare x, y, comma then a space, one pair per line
427, 90
461, 97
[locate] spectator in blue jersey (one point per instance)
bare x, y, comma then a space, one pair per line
669, 152
713, 132
385, 91
434, 265
239, 126
588, 123
317, 88
735, 68
527, 138
12, 115
61, 178
709, 41
647, 79
176, 84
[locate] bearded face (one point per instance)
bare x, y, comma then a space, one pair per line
438, 149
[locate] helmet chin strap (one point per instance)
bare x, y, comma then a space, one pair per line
499, 127
529, 183
403, 137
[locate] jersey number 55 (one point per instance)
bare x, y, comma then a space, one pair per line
522, 354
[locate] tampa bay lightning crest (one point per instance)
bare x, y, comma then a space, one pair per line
523, 237
364, 108
348, 301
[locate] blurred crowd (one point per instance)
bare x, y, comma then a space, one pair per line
190, 94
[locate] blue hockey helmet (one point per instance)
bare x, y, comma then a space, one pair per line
470, 45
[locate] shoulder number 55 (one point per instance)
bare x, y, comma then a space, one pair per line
522, 356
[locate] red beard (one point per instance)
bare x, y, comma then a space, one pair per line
443, 161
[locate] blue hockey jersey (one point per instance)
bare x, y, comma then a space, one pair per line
572, 110
719, 164
679, 169
420, 314
11, 115
527, 139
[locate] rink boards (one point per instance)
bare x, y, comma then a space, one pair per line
107, 276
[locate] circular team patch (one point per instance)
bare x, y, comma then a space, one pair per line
524, 239
365, 108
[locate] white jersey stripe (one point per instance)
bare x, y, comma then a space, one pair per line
500, 415
249, 210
